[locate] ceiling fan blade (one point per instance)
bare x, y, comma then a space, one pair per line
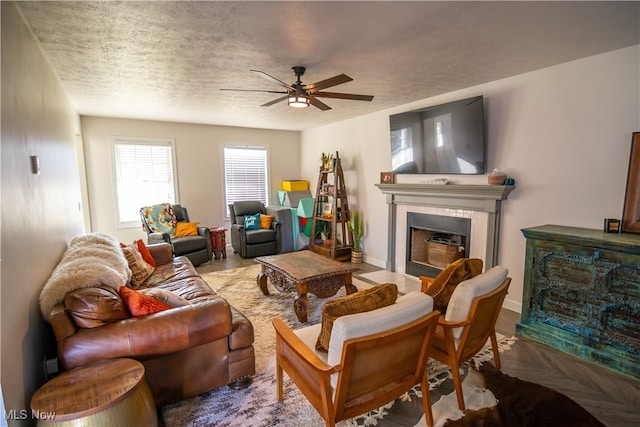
318, 104
323, 84
344, 96
275, 101
272, 79
256, 90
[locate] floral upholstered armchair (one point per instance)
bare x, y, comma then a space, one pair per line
170, 223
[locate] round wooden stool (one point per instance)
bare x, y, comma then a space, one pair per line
107, 393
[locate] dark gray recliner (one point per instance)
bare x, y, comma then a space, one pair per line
196, 248
252, 243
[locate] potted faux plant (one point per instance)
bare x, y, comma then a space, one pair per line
323, 230
327, 161
356, 227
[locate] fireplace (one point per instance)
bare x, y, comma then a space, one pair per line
476, 206
435, 241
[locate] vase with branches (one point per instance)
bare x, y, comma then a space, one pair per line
356, 227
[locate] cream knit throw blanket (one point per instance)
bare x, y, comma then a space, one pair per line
90, 260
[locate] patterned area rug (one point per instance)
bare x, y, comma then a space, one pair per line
257, 406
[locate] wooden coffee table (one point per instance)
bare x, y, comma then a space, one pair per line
303, 272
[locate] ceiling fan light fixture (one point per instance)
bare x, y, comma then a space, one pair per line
298, 100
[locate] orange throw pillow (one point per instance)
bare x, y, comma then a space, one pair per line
265, 221
140, 304
144, 251
186, 229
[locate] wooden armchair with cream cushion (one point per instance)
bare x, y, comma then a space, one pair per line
470, 320
373, 358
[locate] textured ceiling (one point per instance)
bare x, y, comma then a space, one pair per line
168, 60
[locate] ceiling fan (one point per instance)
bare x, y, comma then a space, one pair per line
301, 95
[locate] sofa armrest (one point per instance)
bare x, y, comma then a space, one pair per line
275, 226
62, 323
144, 337
162, 253
153, 238
205, 232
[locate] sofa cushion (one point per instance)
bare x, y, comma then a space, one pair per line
179, 268
262, 235
140, 304
463, 296
186, 229
265, 221
252, 222
140, 270
166, 297
187, 244
247, 207
357, 302
407, 308
445, 283
180, 213
93, 307
144, 251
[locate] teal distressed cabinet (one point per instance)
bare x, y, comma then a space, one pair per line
582, 294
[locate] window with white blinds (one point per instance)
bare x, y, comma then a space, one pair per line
245, 174
144, 175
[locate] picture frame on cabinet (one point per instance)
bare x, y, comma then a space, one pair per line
631, 212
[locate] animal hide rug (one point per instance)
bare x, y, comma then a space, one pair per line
93, 259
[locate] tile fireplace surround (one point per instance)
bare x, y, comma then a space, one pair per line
480, 203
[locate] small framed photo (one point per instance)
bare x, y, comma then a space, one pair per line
386, 177
611, 225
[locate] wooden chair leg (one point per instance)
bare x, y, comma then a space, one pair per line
280, 394
496, 352
452, 361
426, 400
457, 383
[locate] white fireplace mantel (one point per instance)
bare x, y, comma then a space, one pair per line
477, 198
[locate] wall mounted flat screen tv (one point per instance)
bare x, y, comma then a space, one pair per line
443, 139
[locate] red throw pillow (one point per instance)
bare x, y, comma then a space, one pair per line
140, 304
144, 251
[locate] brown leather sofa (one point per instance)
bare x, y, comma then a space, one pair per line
186, 350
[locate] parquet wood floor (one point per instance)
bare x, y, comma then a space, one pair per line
611, 397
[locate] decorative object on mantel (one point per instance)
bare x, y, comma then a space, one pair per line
631, 213
386, 177
356, 227
496, 177
438, 181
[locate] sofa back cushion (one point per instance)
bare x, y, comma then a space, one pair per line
93, 307
247, 207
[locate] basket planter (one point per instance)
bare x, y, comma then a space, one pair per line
356, 257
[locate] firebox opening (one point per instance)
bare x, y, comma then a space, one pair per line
435, 241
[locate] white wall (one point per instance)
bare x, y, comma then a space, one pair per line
563, 133
40, 212
199, 164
